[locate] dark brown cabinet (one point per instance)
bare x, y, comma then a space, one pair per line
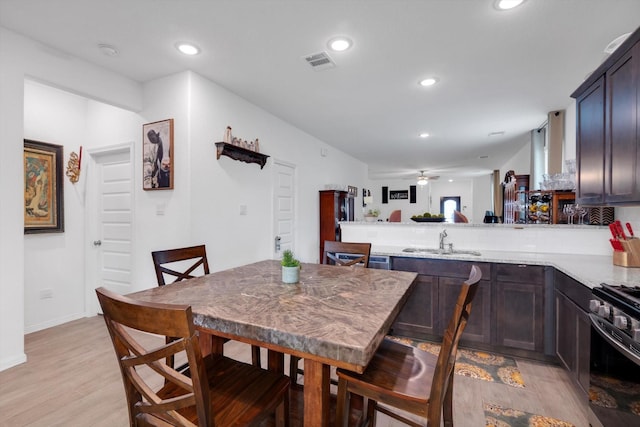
430, 306
509, 313
335, 206
622, 178
573, 328
608, 129
418, 317
519, 311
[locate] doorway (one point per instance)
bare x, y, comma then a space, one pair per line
448, 205
284, 207
109, 222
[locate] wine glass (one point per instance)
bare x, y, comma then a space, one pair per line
582, 212
569, 210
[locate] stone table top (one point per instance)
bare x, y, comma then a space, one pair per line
337, 315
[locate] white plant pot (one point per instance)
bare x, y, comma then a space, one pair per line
290, 274
370, 218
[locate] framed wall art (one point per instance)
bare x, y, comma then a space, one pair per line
157, 155
43, 188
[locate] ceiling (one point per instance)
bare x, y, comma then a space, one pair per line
498, 71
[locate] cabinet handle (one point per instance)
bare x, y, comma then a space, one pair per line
522, 265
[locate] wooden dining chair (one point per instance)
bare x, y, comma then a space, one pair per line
186, 263
360, 253
215, 390
406, 378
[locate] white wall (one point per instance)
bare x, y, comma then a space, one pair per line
427, 197
22, 58
203, 206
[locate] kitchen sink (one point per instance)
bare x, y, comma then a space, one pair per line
440, 251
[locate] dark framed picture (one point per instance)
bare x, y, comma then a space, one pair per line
157, 155
43, 188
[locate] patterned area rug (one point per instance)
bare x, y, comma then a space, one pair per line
497, 416
609, 392
476, 364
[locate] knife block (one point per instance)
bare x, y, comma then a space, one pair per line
631, 255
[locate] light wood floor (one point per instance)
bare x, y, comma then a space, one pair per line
72, 379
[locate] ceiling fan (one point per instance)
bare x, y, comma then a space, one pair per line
423, 179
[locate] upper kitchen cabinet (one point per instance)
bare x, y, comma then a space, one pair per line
608, 129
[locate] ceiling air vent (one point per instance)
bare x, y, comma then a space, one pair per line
320, 61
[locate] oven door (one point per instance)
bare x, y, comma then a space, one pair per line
614, 391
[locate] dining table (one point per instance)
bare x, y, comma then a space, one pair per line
334, 316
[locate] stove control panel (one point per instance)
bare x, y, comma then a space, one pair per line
616, 318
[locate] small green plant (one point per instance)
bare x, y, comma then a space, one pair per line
373, 212
288, 260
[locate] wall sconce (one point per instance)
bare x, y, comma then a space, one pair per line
73, 166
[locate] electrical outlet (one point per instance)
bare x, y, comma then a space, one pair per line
46, 293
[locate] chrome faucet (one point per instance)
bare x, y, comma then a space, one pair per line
443, 234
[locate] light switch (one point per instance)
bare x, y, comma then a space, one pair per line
160, 209
243, 209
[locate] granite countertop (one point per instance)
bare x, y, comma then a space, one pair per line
334, 313
590, 270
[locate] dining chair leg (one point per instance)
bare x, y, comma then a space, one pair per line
447, 406
342, 408
281, 412
255, 356
372, 412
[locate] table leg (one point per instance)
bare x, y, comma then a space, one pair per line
316, 394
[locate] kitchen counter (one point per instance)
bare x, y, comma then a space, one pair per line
590, 270
582, 252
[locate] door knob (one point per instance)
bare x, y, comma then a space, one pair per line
97, 242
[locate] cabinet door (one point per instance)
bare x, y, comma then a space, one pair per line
478, 327
566, 332
622, 177
583, 349
590, 136
417, 318
519, 315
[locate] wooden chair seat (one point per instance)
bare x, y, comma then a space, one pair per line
409, 379
215, 390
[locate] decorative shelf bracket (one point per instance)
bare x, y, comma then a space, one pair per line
241, 154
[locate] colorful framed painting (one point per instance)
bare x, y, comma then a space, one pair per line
157, 155
43, 188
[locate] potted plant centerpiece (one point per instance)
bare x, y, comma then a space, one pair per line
290, 267
372, 215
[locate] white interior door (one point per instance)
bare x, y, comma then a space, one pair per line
284, 208
110, 219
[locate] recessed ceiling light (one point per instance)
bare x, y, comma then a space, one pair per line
339, 44
108, 49
430, 81
507, 4
187, 48
424, 135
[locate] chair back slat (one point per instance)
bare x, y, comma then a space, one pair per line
361, 250
442, 383
126, 319
197, 255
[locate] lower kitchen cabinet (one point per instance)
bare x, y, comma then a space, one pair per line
508, 315
519, 307
478, 329
418, 316
430, 306
573, 328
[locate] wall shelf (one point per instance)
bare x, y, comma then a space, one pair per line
241, 154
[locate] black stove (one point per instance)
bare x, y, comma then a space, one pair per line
617, 310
